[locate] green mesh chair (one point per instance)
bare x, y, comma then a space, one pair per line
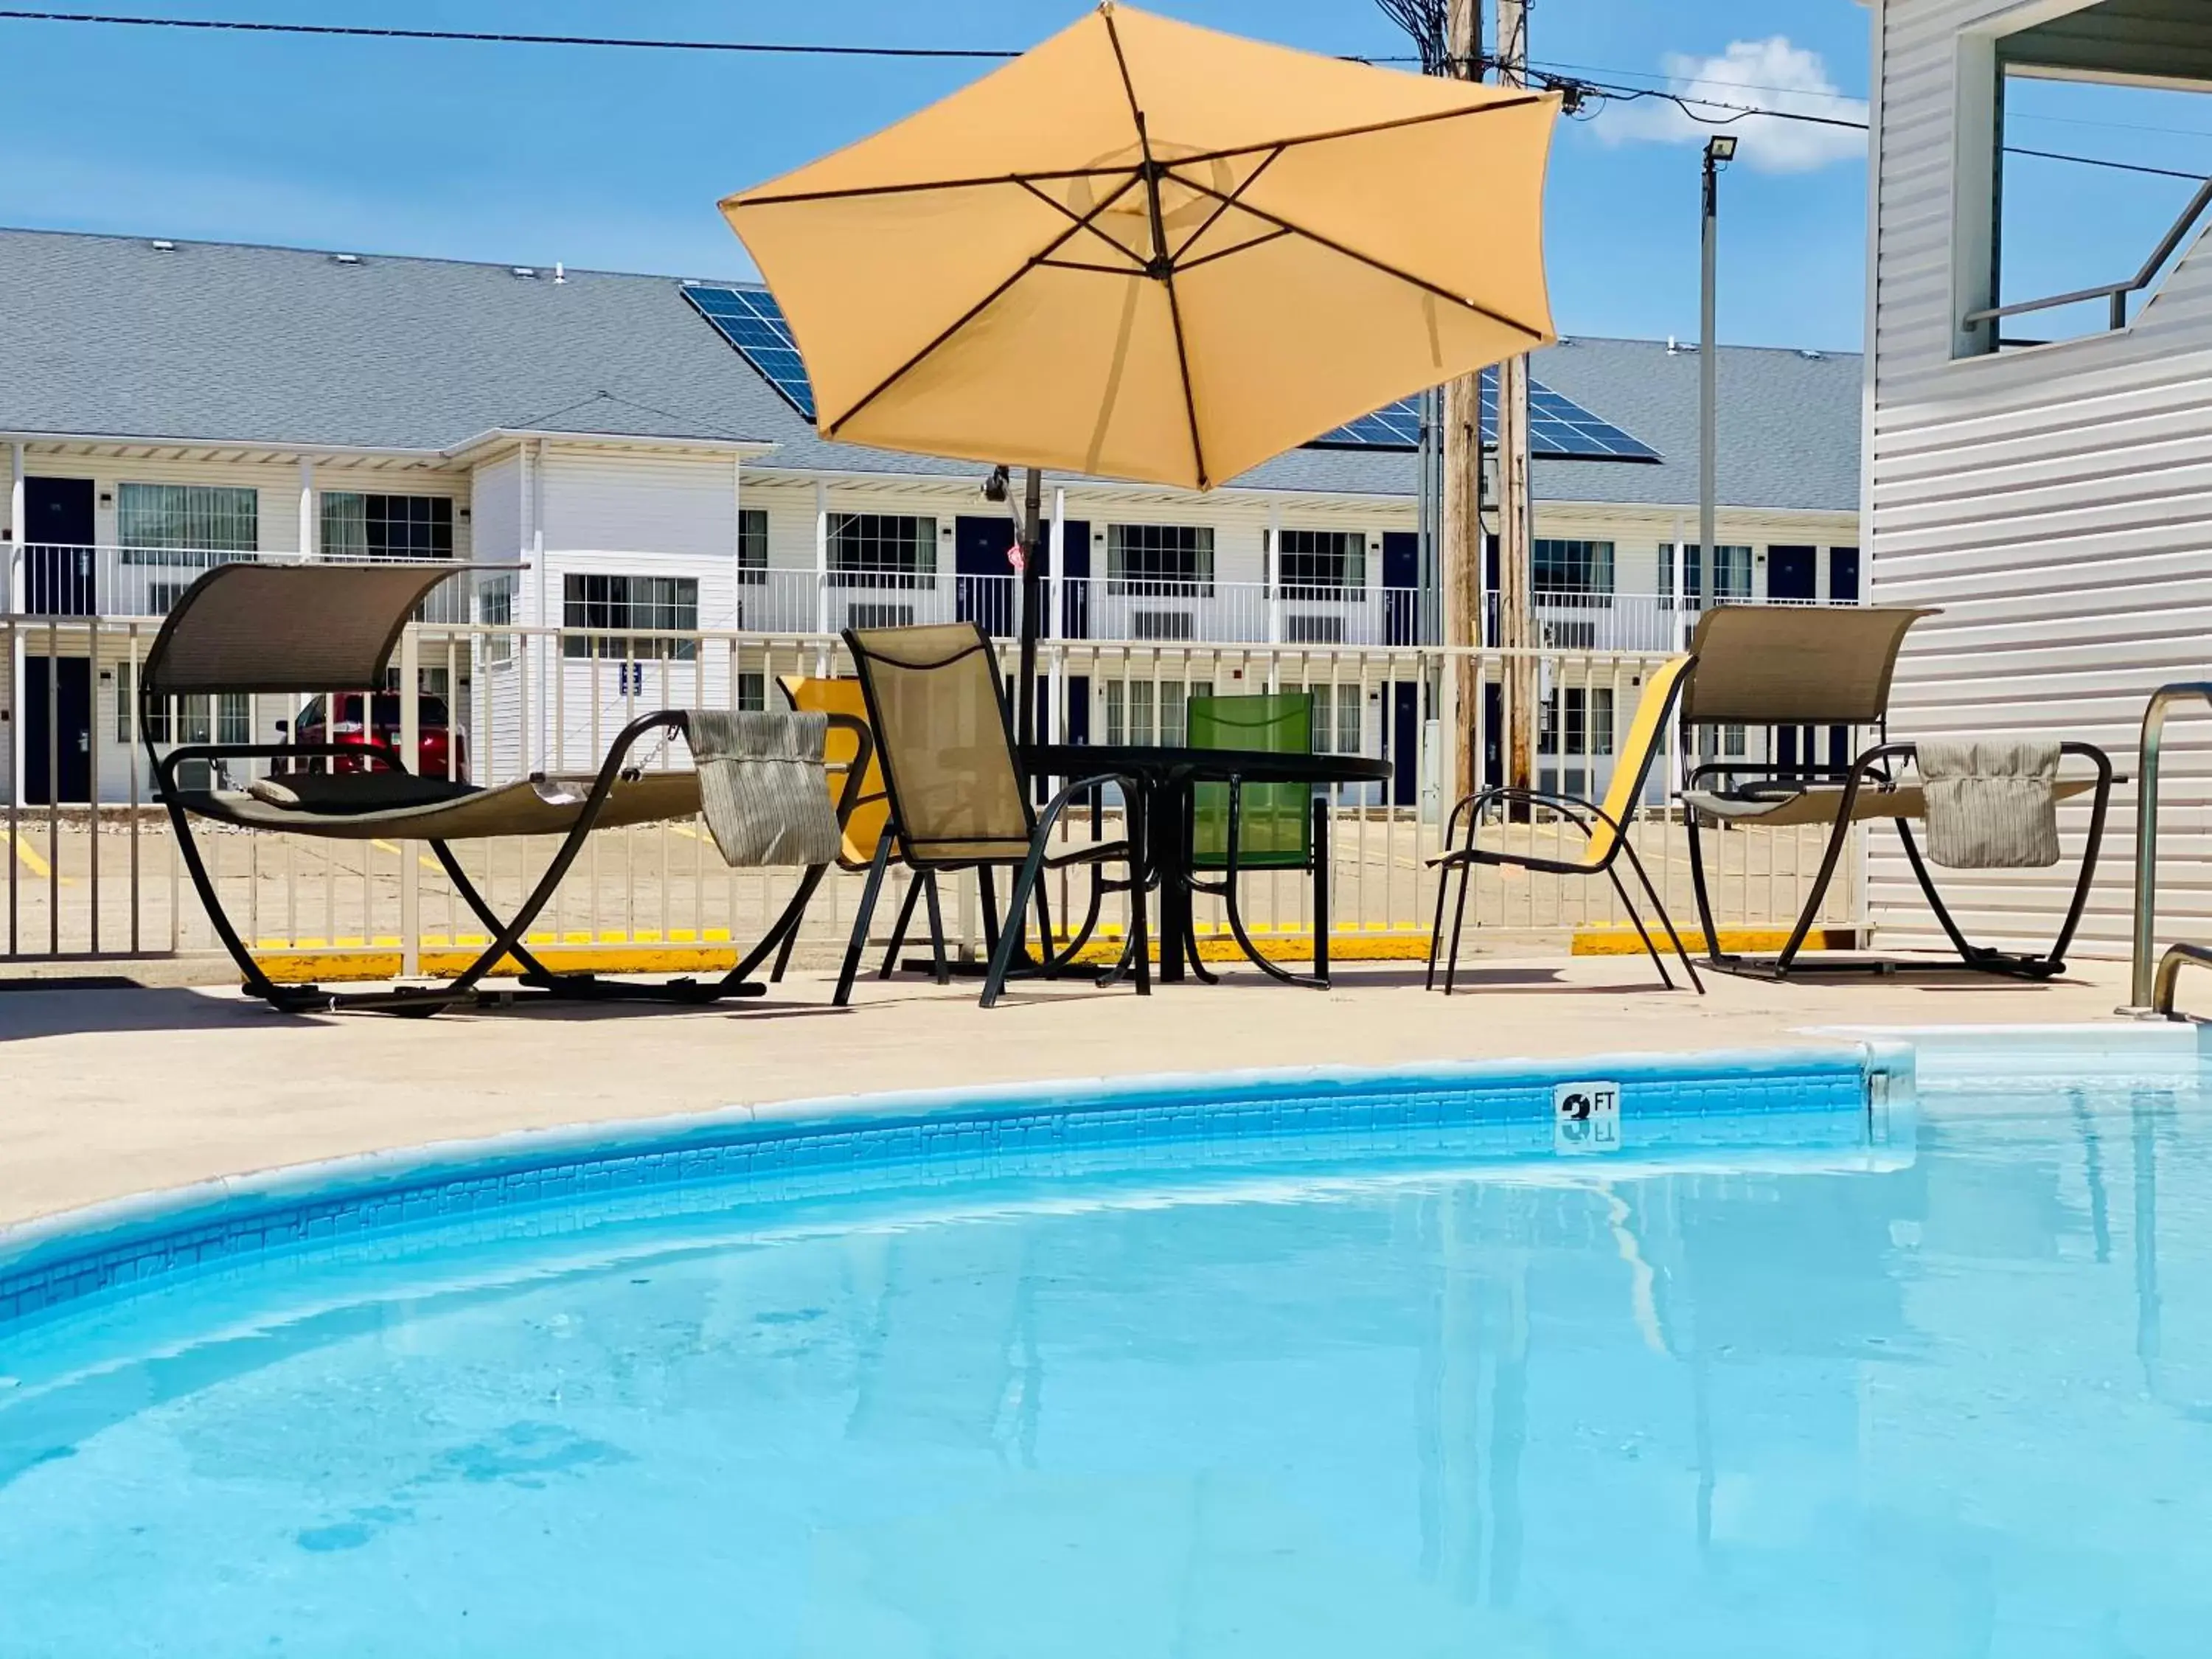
1235, 828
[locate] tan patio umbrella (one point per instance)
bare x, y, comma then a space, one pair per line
1149, 251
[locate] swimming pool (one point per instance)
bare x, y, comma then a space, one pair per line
1785, 1354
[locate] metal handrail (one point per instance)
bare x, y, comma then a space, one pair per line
2141, 998
2116, 292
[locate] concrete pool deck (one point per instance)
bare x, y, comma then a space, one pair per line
105, 1093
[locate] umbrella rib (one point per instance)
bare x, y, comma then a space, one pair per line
786, 198
1228, 202
1241, 248
1427, 118
1161, 264
1135, 267
975, 310
1078, 265
1369, 261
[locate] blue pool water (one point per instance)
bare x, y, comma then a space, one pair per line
1808, 1377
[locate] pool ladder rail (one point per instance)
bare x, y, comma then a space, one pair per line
2151, 988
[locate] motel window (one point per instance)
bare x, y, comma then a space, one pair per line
879, 550
362, 526
598, 612
495, 609
1337, 719
1731, 573
1572, 572
1322, 564
1149, 711
1577, 721
167, 524
752, 546
1168, 560
226, 718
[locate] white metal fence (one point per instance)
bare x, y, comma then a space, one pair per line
91, 869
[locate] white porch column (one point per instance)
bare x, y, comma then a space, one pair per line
13, 591
310, 525
737, 555
548, 657
1273, 575
821, 557
1056, 614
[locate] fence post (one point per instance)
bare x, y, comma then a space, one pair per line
411, 751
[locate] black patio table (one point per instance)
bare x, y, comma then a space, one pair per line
1166, 773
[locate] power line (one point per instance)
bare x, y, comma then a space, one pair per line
488, 37
1735, 112
1688, 104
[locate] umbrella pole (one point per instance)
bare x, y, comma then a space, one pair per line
1032, 605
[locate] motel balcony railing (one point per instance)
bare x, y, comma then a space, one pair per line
68, 581
122, 582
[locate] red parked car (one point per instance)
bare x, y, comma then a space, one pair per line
436, 739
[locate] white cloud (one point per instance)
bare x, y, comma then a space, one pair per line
1767, 74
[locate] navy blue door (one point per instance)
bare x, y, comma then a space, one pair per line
57, 730
57, 571
1075, 579
1792, 576
1493, 720
983, 579
1842, 589
1401, 584
1844, 574
1405, 740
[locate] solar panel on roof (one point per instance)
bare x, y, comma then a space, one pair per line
1560, 428
749, 319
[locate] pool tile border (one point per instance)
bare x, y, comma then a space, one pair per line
833, 1142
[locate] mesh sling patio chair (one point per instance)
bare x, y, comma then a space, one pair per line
871, 810
1788, 667
959, 801
1604, 826
332, 628
1238, 828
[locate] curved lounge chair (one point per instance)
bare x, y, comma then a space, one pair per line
331, 628
1786, 666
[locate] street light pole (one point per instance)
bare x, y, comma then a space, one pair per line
1720, 151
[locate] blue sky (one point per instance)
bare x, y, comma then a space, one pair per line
615, 159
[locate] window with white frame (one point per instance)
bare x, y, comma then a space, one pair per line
2064, 238
1150, 711
1571, 572
495, 609
1339, 713
1731, 573
226, 718
168, 523
1163, 560
358, 525
752, 546
1321, 564
1577, 721
880, 549
599, 611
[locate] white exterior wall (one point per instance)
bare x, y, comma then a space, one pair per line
637, 512
2056, 502
275, 481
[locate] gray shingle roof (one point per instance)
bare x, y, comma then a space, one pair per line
221, 343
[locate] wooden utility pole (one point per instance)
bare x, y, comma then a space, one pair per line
1515, 553
1461, 563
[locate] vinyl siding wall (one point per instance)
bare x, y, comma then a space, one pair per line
2056, 502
